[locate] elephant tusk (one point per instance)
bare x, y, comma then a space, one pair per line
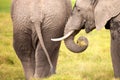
64, 37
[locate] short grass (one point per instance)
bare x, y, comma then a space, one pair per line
5, 5
93, 64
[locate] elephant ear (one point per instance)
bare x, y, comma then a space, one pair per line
105, 10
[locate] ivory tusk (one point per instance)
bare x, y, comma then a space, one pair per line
64, 37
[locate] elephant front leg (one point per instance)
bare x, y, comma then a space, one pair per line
115, 46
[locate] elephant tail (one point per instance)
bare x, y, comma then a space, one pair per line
39, 34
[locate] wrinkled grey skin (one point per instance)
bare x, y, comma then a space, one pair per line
103, 13
115, 44
34, 20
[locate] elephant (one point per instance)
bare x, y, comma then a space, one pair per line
90, 15
35, 22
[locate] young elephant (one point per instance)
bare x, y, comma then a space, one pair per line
35, 22
91, 14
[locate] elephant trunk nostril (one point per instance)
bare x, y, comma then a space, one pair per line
82, 41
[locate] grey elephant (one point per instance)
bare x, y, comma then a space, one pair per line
35, 22
91, 14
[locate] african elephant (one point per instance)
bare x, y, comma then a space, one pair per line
35, 22
91, 14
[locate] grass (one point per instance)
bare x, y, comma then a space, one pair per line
9, 63
93, 64
5, 5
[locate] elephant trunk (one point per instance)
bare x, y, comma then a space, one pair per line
76, 26
80, 46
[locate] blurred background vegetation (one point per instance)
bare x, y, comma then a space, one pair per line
93, 64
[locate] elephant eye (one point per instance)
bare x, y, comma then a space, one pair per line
78, 10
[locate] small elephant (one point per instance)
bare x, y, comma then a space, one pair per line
35, 22
91, 14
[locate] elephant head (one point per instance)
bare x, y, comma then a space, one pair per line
88, 14
82, 16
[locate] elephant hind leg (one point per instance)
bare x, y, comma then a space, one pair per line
42, 68
54, 57
25, 52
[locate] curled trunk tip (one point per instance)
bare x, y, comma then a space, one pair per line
80, 46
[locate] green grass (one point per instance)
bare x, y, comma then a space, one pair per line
10, 67
5, 5
93, 64
73, 2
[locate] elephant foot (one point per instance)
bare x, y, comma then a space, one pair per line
43, 72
